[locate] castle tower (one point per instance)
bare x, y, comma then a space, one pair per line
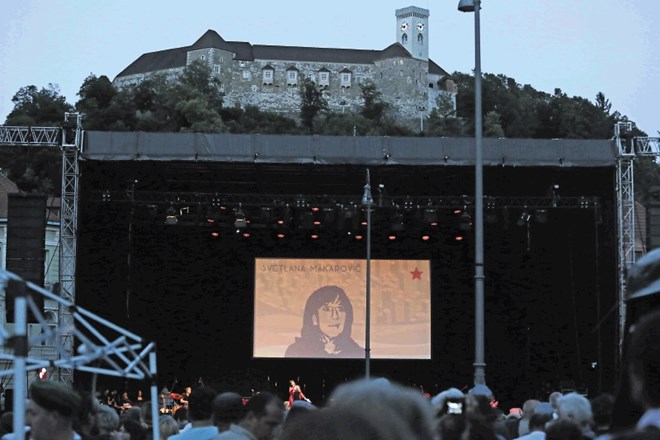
412, 31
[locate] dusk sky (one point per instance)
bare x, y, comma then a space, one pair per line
583, 47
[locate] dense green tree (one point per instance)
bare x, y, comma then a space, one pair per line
373, 106
253, 120
312, 103
443, 121
45, 107
104, 107
492, 125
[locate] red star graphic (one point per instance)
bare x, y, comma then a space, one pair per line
416, 274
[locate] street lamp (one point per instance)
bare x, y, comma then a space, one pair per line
367, 202
479, 362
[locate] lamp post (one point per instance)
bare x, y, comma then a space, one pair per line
367, 202
479, 362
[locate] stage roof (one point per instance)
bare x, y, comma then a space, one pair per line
346, 150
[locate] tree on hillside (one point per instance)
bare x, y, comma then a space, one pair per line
104, 107
45, 107
373, 106
312, 103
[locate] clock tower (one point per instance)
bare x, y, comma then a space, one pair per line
412, 31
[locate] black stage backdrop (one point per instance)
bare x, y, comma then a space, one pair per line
547, 285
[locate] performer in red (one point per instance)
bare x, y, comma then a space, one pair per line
295, 393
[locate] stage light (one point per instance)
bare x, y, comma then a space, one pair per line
328, 215
426, 237
397, 222
280, 235
541, 215
246, 234
358, 236
240, 221
465, 221
584, 202
392, 236
524, 218
314, 236
171, 217
215, 234
305, 218
431, 216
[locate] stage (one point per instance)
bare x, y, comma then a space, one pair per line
150, 259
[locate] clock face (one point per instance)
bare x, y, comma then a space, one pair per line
404, 26
420, 26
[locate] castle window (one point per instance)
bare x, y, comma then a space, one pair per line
420, 38
292, 76
247, 74
268, 72
216, 69
404, 39
324, 77
203, 57
345, 77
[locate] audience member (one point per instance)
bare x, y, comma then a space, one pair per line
200, 411
51, 411
228, 408
397, 403
644, 376
264, 414
528, 411
536, 425
577, 408
107, 420
346, 424
601, 407
167, 426
563, 429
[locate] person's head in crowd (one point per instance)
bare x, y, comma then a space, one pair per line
554, 397
299, 408
381, 396
451, 426
576, 408
642, 296
52, 409
107, 419
167, 426
85, 423
135, 429
538, 421
200, 407
563, 429
132, 414
644, 361
145, 413
181, 416
449, 401
346, 424
601, 407
528, 408
7, 422
228, 408
264, 413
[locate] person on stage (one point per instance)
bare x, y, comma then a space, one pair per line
295, 393
326, 331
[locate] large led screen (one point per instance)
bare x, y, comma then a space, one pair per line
316, 308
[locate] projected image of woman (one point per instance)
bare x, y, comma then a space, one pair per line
326, 331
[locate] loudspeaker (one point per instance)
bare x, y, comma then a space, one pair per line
26, 233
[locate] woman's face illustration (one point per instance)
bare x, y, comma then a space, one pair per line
330, 318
